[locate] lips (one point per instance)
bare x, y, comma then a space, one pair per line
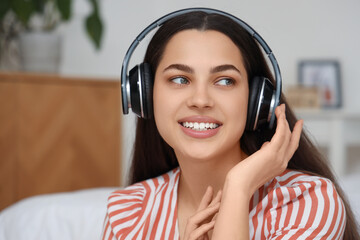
200, 126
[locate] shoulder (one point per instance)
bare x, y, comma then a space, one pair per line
296, 185
307, 206
309, 192
127, 206
139, 193
296, 179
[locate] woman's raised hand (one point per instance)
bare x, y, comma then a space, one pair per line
272, 159
203, 220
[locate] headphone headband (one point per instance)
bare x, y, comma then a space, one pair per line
125, 85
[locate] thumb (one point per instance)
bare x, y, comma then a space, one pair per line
264, 144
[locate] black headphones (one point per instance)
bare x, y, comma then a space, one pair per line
136, 88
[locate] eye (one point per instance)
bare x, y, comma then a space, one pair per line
225, 82
179, 80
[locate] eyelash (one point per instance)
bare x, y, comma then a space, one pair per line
232, 82
181, 79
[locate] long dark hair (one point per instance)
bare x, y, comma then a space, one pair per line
152, 156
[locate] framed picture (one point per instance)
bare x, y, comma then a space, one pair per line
325, 76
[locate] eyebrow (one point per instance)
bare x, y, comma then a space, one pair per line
188, 69
181, 67
224, 67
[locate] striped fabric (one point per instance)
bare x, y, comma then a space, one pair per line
291, 206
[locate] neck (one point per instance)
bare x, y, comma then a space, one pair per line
198, 174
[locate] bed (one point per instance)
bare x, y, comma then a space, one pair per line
71, 215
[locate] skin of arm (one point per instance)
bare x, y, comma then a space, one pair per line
245, 178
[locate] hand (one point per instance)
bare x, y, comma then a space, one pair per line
203, 220
272, 158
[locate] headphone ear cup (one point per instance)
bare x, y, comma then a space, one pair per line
134, 90
147, 90
141, 85
254, 96
261, 93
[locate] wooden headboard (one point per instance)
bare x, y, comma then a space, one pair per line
57, 134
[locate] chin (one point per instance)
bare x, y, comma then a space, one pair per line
200, 155
202, 151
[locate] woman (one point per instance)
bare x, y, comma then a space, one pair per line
197, 173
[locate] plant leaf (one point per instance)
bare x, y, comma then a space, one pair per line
64, 9
23, 10
94, 28
4, 8
39, 5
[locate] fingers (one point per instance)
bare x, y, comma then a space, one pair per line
196, 225
264, 144
285, 142
206, 199
217, 198
282, 128
201, 232
203, 220
295, 138
204, 214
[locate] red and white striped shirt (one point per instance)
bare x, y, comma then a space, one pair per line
293, 205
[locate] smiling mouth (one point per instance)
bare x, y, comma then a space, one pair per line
200, 126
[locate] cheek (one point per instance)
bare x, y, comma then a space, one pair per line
239, 114
236, 104
236, 107
158, 105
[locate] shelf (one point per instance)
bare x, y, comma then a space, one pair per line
335, 129
326, 114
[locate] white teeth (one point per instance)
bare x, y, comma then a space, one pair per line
200, 126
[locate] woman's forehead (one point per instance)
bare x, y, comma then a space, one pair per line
210, 46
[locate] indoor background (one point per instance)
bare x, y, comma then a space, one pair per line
305, 32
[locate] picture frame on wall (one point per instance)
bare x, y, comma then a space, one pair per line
325, 76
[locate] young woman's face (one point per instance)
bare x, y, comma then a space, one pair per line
201, 95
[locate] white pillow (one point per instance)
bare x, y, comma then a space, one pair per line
70, 215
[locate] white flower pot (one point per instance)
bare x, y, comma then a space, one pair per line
40, 51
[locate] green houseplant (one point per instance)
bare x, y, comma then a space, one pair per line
51, 13
42, 16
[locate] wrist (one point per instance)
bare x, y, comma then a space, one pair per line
232, 221
238, 183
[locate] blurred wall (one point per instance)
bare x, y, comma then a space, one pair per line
295, 30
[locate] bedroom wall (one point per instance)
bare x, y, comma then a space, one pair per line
323, 29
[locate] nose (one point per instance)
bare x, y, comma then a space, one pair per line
200, 97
